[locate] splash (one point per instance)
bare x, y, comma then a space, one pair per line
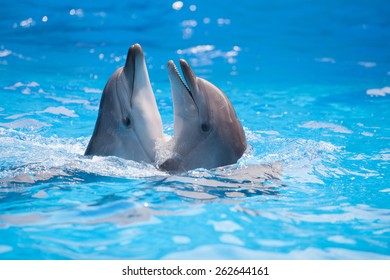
28, 157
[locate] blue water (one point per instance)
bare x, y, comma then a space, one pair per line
310, 81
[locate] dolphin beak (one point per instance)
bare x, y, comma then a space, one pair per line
137, 76
129, 68
139, 57
197, 88
134, 63
189, 76
137, 48
178, 85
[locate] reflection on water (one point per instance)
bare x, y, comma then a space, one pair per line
234, 181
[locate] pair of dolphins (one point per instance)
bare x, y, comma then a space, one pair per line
207, 132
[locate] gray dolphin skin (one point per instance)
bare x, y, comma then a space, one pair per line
207, 132
129, 123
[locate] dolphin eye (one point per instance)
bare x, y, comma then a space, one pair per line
127, 122
205, 127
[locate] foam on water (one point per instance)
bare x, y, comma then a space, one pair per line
42, 158
220, 252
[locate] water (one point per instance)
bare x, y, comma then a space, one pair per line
309, 81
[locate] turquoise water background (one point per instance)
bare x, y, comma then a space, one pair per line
310, 82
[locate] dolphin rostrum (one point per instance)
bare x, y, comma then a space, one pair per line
128, 124
207, 132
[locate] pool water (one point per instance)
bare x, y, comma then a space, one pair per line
310, 82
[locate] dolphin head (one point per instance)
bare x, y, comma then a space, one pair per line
128, 123
207, 132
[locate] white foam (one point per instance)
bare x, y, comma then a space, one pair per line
201, 55
20, 84
350, 213
197, 49
378, 91
5, 53
58, 156
225, 226
274, 243
25, 123
195, 195
326, 60
40, 194
177, 5
61, 110
368, 134
324, 125
341, 240
5, 249
17, 116
223, 252
189, 23
164, 149
76, 12
179, 239
26, 91
92, 90
385, 156
69, 101
269, 132
367, 64
27, 23
115, 167
231, 239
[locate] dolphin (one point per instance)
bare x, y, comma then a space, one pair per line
128, 124
207, 132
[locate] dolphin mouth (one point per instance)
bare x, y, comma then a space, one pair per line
188, 76
134, 71
135, 53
